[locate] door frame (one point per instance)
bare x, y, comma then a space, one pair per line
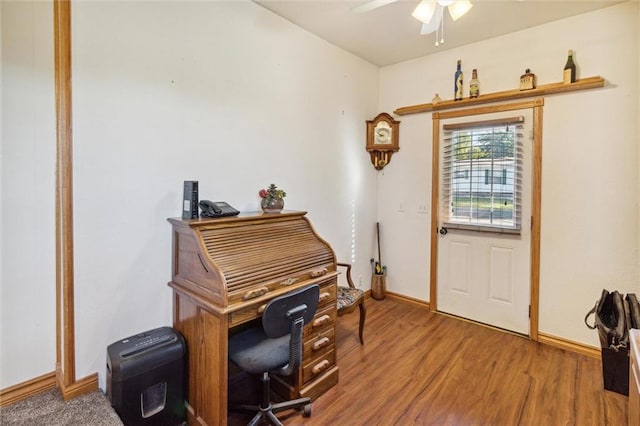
536, 196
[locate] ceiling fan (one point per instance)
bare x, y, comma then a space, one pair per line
429, 12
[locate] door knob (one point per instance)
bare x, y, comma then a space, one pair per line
443, 231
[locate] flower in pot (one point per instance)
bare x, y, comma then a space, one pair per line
272, 199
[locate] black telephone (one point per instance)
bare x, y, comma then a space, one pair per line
216, 209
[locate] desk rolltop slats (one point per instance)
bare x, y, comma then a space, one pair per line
232, 260
253, 255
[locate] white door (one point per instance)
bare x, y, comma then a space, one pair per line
483, 272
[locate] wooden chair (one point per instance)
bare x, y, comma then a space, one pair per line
350, 297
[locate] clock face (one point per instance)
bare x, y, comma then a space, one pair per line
382, 133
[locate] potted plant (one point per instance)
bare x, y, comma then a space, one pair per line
272, 199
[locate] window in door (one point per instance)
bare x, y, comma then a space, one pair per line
482, 174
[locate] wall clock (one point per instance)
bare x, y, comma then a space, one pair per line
382, 139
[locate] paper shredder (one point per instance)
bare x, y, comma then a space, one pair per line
146, 377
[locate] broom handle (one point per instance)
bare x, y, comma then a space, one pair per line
378, 233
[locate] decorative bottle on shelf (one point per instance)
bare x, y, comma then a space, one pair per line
474, 84
569, 75
458, 83
527, 80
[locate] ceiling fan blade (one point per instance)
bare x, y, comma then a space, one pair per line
370, 5
459, 8
424, 11
433, 23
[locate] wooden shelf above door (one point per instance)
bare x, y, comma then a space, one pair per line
545, 89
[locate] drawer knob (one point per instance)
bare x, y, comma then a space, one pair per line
320, 343
261, 308
321, 366
252, 294
318, 272
320, 321
324, 296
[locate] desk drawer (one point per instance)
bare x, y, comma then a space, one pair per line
323, 319
327, 297
244, 285
246, 314
318, 365
316, 344
327, 293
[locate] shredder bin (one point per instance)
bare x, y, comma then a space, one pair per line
146, 378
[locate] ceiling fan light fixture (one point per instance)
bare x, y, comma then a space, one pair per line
445, 3
459, 8
424, 11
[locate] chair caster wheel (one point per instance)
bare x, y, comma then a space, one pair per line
306, 410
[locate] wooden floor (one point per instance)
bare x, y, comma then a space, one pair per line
420, 368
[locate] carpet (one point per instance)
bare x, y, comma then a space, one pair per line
48, 408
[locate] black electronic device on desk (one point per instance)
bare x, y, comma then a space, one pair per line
190, 200
217, 209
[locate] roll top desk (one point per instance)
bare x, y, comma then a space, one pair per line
224, 272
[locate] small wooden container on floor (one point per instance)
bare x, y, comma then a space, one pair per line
378, 286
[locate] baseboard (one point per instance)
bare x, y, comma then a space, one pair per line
407, 299
77, 388
570, 346
400, 298
26, 389
46, 382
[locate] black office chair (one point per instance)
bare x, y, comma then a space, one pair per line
276, 347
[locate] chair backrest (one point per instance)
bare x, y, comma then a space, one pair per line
281, 311
288, 314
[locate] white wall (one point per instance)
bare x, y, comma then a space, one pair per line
27, 165
225, 93
590, 160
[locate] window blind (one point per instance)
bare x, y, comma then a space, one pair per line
482, 175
